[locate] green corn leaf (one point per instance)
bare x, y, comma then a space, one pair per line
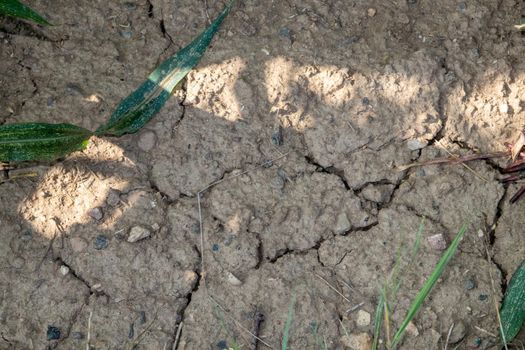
512, 311
40, 141
139, 107
15, 8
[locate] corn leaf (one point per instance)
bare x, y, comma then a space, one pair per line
40, 141
15, 8
512, 311
139, 107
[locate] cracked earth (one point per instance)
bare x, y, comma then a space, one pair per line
290, 132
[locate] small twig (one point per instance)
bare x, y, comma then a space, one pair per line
177, 337
486, 332
333, 288
448, 335
462, 163
89, 331
237, 323
206, 11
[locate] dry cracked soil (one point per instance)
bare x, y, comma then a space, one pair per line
305, 110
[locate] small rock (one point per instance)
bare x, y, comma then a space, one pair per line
277, 136
483, 297
234, 281
64, 270
412, 329
458, 333
285, 33
222, 345
363, 318
78, 244
415, 144
215, 247
53, 333
77, 335
126, 33
462, 6
97, 288
378, 193
470, 283
504, 108
371, 12
155, 227
356, 341
95, 213
101, 242
437, 242
26, 237
343, 224
137, 233
277, 183
147, 141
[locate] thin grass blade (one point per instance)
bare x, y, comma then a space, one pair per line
427, 287
378, 320
15, 8
288, 324
139, 107
512, 311
40, 141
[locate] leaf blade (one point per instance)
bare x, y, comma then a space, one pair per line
141, 105
40, 141
15, 8
512, 312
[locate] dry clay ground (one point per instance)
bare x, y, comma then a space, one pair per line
305, 108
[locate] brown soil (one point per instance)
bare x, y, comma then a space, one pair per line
337, 93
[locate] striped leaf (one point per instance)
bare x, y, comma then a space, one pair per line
512, 311
15, 8
139, 107
40, 141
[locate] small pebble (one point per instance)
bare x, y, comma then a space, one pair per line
285, 33
277, 137
412, 329
462, 6
130, 6
64, 270
95, 213
97, 287
483, 297
343, 224
458, 333
126, 33
53, 333
74, 89
77, 335
437, 242
504, 108
277, 183
363, 318
365, 101
78, 244
137, 233
101, 242
215, 247
147, 141
371, 12
234, 281
470, 283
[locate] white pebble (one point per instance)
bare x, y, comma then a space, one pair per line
64, 270
234, 281
363, 318
437, 242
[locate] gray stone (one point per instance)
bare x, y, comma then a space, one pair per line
138, 233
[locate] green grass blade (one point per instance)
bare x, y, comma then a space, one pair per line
40, 141
427, 287
288, 324
139, 107
512, 311
378, 320
15, 8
